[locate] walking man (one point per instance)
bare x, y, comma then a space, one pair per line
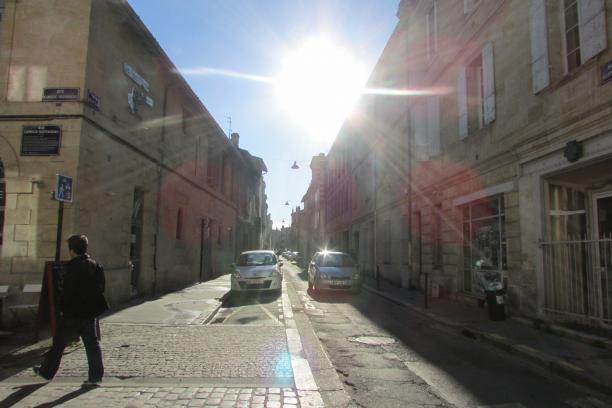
81, 301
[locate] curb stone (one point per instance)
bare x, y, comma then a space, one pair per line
590, 339
212, 314
558, 366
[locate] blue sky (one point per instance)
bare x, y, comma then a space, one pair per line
254, 37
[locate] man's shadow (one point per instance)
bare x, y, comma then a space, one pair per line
25, 390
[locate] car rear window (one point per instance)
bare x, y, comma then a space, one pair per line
256, 259
337, 260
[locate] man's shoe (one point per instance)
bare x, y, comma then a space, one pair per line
93, 381
36, 370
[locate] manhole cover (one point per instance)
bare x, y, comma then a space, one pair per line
372, 340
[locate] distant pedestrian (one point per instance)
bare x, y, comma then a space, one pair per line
81, 302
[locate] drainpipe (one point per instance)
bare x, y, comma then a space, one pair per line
376, 271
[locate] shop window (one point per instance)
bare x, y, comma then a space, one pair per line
484, 241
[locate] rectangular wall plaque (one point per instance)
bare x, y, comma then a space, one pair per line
40, 140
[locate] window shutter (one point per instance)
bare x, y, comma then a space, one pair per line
488, 83
462, 111
592, 28
538, 30
433, 125
419, 120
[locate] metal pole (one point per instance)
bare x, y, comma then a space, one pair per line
58, 239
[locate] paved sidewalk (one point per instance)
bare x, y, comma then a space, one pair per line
583, 363
79, 396
160, 352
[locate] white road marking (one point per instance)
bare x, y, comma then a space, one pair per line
270, 315
511, 405
302, 373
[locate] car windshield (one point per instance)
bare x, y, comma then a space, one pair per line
336, 260
256, 259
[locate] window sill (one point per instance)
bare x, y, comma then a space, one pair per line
570, 76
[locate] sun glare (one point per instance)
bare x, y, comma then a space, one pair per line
318, 86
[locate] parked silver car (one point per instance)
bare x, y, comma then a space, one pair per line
333, 270
257, 270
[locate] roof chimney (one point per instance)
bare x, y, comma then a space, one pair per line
235, 138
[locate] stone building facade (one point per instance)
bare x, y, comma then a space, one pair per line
156, 184
485, 154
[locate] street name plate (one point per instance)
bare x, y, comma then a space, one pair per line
40, 140
60, 94
606, 72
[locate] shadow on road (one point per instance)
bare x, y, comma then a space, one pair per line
22, 392
334, 296
244, 299
72, 395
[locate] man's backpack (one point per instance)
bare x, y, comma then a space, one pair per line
96, 304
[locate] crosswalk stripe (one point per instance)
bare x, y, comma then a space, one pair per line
586, 402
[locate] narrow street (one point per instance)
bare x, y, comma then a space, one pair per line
201, 346
413, 362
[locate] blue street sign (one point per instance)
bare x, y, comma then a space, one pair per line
63, 188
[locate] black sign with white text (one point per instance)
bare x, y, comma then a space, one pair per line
60, 94
40, 140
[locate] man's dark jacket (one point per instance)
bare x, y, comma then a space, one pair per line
83, 288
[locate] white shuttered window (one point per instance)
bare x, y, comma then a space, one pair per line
592, 18
538, 31
433, 125
462, 108
488, 83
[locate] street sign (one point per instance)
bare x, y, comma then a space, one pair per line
40, 140
60, 94
135, 76
93, 100
63, 188
606, 72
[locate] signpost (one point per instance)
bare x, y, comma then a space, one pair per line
54, 270
63, 194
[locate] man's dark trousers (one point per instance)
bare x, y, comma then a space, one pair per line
68, 330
